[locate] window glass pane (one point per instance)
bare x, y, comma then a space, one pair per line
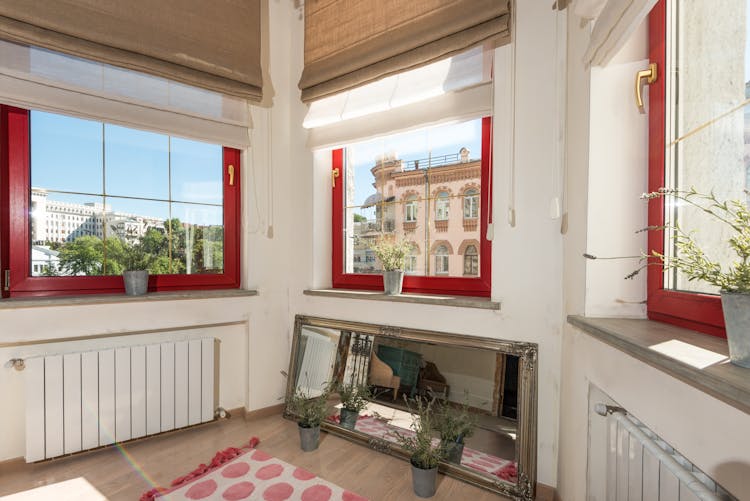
708, 122
136, 163
197, 234
66, 153
196, 171
146, 225
392, 186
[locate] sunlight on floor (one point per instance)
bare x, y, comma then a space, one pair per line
699, 358
68, 490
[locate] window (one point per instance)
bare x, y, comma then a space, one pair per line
441, 260
411, 209
471, 204
442, 204
89, 198
388, 178
471, 261
699, 136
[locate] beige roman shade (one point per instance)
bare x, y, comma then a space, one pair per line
349, 43
212, 44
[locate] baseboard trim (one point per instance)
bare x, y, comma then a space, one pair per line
272, 410
546, 493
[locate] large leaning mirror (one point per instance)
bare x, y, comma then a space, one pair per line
492, 382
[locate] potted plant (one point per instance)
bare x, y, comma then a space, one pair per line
135, 276
310, 412
733, 280
354, 399
392, 252
454, 425
426, 452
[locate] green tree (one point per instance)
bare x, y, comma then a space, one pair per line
359, 218
82, 256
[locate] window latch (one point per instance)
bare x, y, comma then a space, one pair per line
650, 75
230, 171
334, 174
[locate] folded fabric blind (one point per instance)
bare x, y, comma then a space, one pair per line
41, 79
213, 44
349, 43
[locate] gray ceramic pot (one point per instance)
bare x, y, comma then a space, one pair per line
348, 419
392, 282
736, 308
136, 282
424, 481
454, 451
309, 437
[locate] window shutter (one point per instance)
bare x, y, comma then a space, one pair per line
349, 43
214, 44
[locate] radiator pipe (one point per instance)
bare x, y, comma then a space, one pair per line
17, 363
684, 476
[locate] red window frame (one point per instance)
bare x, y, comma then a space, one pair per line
15, 196
700, 312
459, 286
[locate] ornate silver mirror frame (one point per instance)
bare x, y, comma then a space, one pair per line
525, 443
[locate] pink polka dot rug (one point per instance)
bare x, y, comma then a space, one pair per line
250, 474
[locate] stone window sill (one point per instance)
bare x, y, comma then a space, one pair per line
122, 298
459, 301
699, 360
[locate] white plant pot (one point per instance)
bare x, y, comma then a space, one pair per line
736, 307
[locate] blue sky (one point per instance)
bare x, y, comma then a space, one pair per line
68, 154
435, 141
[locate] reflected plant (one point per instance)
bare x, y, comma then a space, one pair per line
455, 424
354, 397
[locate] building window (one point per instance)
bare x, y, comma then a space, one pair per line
384, 177
441, 260
471, 261
411, 209
471, 204
127, 198
699, 135
442, 204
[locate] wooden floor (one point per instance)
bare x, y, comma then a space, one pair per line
125, 476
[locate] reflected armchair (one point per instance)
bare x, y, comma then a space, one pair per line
382, 375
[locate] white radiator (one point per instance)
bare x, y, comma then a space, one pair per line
80, 401
642, 467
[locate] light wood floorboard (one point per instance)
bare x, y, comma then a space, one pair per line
124, 476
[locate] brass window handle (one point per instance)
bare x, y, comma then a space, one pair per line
230, 171
650, 75
334, 174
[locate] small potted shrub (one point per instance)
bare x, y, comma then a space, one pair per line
425, 452
732, 280
309, 412
135, 276
354, 399
392, 253
454, 425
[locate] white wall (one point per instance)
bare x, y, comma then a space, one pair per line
607, 168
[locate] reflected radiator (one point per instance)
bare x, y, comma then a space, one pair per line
80, 401
318, 360
641, 466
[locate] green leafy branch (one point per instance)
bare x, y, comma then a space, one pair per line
690, 259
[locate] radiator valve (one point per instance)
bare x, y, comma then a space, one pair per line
222, 413
17, 363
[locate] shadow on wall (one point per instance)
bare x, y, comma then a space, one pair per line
733, 477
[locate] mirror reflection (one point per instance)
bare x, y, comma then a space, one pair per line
375, 381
